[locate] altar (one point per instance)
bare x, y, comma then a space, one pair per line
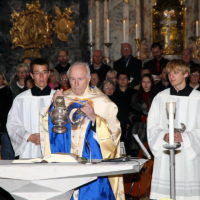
56, 181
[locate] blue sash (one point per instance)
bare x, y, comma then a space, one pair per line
99, 189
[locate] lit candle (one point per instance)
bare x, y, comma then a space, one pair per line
124, 30
197, 28
90, 31
108, 30
136, 31
171, 111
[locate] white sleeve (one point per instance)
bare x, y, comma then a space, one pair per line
155, 131
16, 130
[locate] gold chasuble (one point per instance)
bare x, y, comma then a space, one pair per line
107, 134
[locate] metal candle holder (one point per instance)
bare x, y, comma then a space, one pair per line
91, 45
108, 45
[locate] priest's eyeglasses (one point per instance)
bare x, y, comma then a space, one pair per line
41, 73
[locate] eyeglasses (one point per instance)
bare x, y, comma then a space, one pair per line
42, 73
195, 74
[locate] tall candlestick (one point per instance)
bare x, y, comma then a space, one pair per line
171, 111
90, 31
124, 30
136, 32
197, 28
108, 30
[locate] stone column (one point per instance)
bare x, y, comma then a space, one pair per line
97, 24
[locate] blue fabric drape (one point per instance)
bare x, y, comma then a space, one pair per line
99, 189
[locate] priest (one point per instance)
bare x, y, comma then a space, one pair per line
23, 122
93, 131
187, 157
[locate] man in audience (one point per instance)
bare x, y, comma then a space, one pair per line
187, 58
63, 61
163, 83
98, 65
158, 62
93, 131
187, 157
128, 64
122, 98
23, 122
194, 78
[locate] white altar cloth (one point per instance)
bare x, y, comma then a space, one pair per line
56, 181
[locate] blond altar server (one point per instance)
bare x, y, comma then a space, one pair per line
187, 157
23, 122
93, 131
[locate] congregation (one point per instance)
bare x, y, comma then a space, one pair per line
131, 84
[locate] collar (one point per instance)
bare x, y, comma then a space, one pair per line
184, 92
36, 91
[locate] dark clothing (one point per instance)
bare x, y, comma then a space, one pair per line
132, 66
139, 108
62, 69
160, 87
36, 91
6, 99
192, 64
5, 105
123, 100
184, 92
16, 89
156, 66
100, 71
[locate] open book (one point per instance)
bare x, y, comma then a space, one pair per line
51, 158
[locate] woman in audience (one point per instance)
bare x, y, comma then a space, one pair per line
17, 84
108, 88
194, 78
53, 79
7, 152
95, 80
64, 81
140, 104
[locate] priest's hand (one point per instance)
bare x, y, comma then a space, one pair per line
89, 111
177, 137
57, 93
34, 138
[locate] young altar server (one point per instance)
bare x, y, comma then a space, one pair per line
23, 122
187, 157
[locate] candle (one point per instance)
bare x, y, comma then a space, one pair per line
124, 30
171, 111
90, 31
108, 30
136, 31
197, 28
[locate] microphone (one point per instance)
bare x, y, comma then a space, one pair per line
135, 135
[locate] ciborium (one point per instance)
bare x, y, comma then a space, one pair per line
59, 115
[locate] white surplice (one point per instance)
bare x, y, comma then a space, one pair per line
23, 120
187, 157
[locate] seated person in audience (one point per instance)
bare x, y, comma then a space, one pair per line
98, 65
108, 88
53, 79
64, 81
158, 62
122, 98
63, 61
27, 61
128, 64
112, 76
140, 105
194, 78
29, 82
17, 83
6, 99
187, 58
163, 83
95, 80
93, 131
23, 122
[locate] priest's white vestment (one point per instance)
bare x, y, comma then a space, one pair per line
187, 157
23, 120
